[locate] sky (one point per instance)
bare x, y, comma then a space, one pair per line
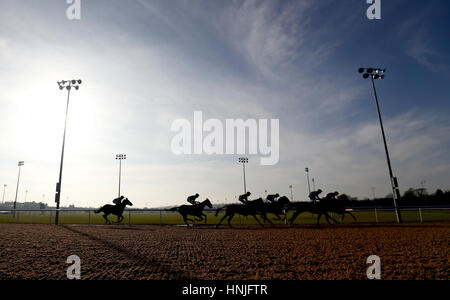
146, 63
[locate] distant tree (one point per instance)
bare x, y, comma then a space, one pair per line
439, 194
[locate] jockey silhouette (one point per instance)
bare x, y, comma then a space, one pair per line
331, 196
244, 198
118, 201
314, 196
272, 198
192, 199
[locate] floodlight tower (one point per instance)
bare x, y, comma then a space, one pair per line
4, 190
120, 157
20, 164
243, 161
292, 195
379, 74
307, 177
68, 85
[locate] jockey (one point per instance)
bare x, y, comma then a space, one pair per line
193, 199
118, 201
244, 198
314, 196
331, 196
272, 198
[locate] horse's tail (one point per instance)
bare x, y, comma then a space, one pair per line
172, 209
99, 210
217, 211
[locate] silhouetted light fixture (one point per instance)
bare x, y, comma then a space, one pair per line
243, 161
379, 74
4, 190
68, 84
307, 177
19, 164
120, 157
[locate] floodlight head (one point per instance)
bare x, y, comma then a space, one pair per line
61, 87
21, 163
63, 82
369, 70
376, 76
74, 81
77, 87
366, 75
382, 77
306, 169
79, 81
68, 88
361, 70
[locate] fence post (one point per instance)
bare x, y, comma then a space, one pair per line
89, 218
376, 215
160, 217
420, 214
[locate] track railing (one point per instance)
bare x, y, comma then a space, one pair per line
158, 216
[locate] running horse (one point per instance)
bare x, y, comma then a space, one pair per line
193, 210
277, 208
115, 210
251, 208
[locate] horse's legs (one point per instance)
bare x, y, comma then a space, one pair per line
330, 217
221, 220
254, 216
120, 219
206, 217
185, 220
229, 219
318, 219
294, 216
105, 216
270, 222
278, 218
354, 218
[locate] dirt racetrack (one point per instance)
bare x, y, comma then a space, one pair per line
410, 251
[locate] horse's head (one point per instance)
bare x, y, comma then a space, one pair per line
126, 202
207, 203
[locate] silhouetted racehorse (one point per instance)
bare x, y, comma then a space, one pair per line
338, 206
251, 208
324, 207
115, 210
301, 207
281, 206
193, 210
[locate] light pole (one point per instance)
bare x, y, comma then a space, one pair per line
292, 195
20, 164
307, 176
243, 161
26, 194
314, 184
68, 85
120, 157
379, 74
4, 190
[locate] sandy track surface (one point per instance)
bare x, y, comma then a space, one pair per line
410, 251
